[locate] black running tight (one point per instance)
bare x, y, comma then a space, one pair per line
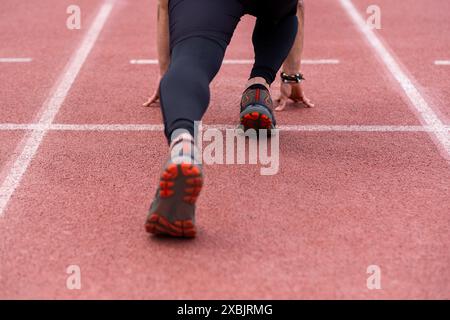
200, 31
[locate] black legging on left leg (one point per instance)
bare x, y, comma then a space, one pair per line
184, 89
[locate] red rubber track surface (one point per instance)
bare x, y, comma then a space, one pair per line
8, 148
426, 28
36, 31
341, 201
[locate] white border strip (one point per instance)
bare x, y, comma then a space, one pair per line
442, 62
51, 107
160, 127
242, 61
15, 60
425, 112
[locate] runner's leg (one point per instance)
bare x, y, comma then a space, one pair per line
200, 31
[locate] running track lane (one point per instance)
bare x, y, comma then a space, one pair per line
419, 36
36, 31
354, 199
108, 67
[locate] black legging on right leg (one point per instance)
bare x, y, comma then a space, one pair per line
272, 42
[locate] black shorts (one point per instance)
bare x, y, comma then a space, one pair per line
217, 19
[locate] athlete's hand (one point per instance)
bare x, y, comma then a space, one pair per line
155, 97
294, 92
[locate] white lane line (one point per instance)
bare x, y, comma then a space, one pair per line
144, 61
160, 127
425, 112
108, 127
357, 128
442, 62
15, 60
243, 61
51, 107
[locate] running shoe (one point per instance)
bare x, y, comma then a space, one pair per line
256, 109
172, 212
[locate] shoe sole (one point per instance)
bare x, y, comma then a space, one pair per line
257, 118
180, 185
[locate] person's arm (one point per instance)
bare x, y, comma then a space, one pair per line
163, 35
292, 65
293, 62
162, 42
